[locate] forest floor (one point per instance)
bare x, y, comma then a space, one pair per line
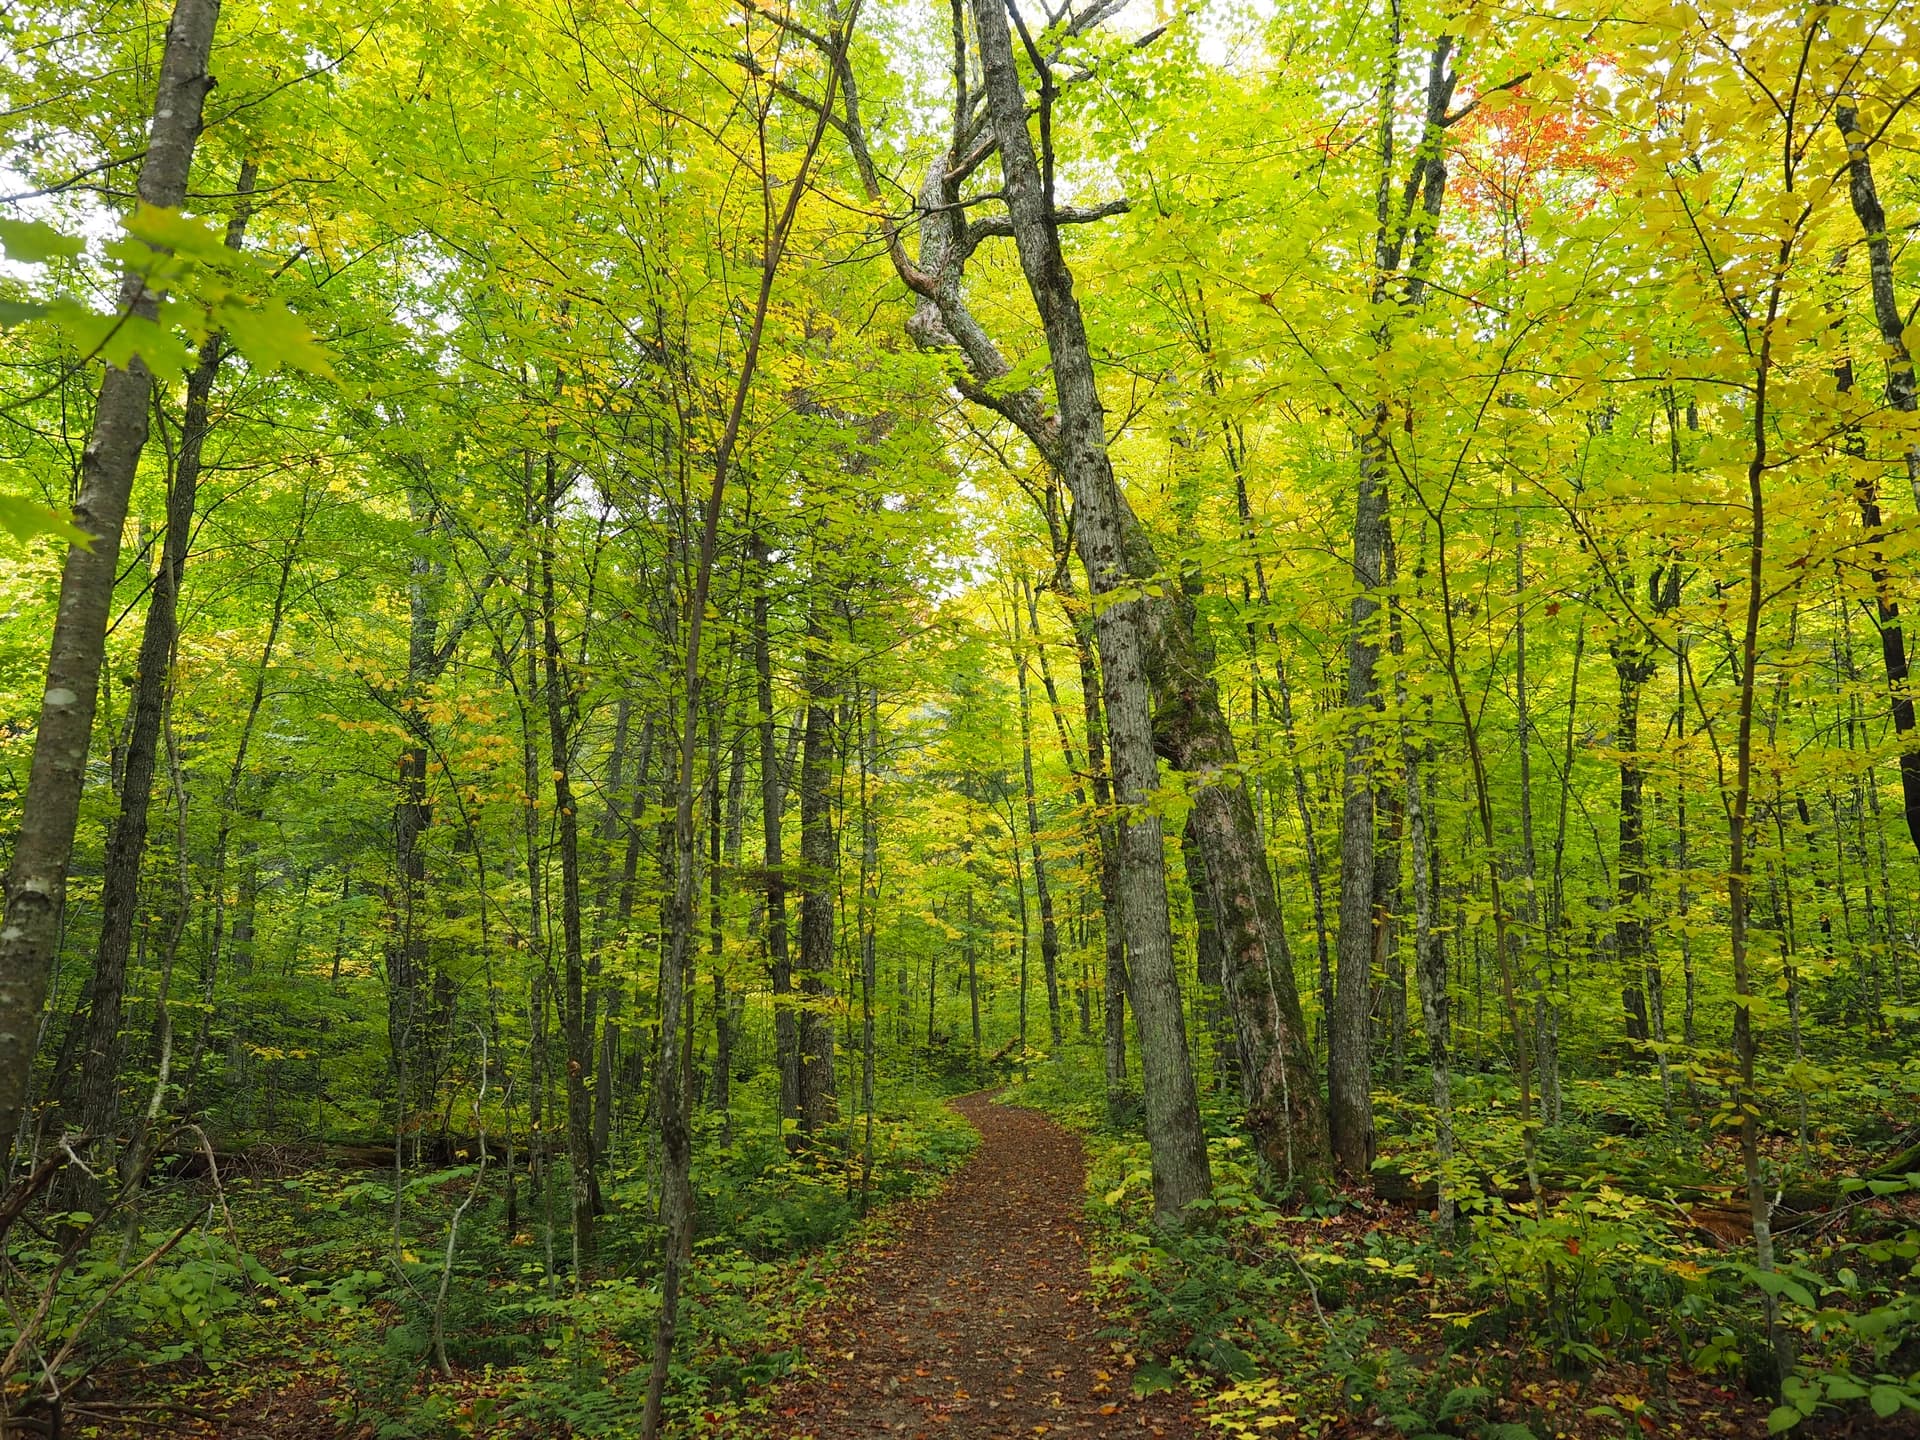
976, 1321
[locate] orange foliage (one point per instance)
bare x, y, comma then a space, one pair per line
1511, 157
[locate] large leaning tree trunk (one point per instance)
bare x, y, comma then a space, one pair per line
1121, 627
36, 883
1070, 436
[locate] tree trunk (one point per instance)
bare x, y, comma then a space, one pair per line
773, 804
1175, 1139
126, 844
1349, 1073
722, 1098
1113, 930
1049, 930
49, 812
1229, 1067
1902, 398
1631, 936
819, 854
562, 719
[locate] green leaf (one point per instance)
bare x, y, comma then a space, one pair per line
28, 519
18, 312
1152, 1378
170, 230
1886, 1400
270, 336
32, 243
1782, 1418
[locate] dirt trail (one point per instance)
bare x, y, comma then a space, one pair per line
975, 1322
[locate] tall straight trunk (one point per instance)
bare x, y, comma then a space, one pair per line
1739, 803
1026, 936
1349, 1073
818, 1101
1633, 664
1681, 858
1049, 930
1115, 983
869, 726
1229, 1066
1076, 791
1430, 962
973, 973
1282, 701
1386, 939
50, 809
126, 843
562, 720
1902, 399
722, 1097
1544, 1029
676, 1208
1176, 1142
1903, 395
603, 1078
773, 803
1632, 931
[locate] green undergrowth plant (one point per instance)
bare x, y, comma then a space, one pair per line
337, 1276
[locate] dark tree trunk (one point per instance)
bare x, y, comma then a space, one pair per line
126, 843
1902, 397
1632, 934
1049, 930
562, 719
773, 803
1349, 1073
819, 853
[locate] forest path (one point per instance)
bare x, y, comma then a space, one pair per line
975, 1321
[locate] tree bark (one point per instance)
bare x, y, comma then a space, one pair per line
773, 804
562, 720
126, 843
818, 1102
1049, 930
1178, 1146
36, 881
1903, 399
1349, 1071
